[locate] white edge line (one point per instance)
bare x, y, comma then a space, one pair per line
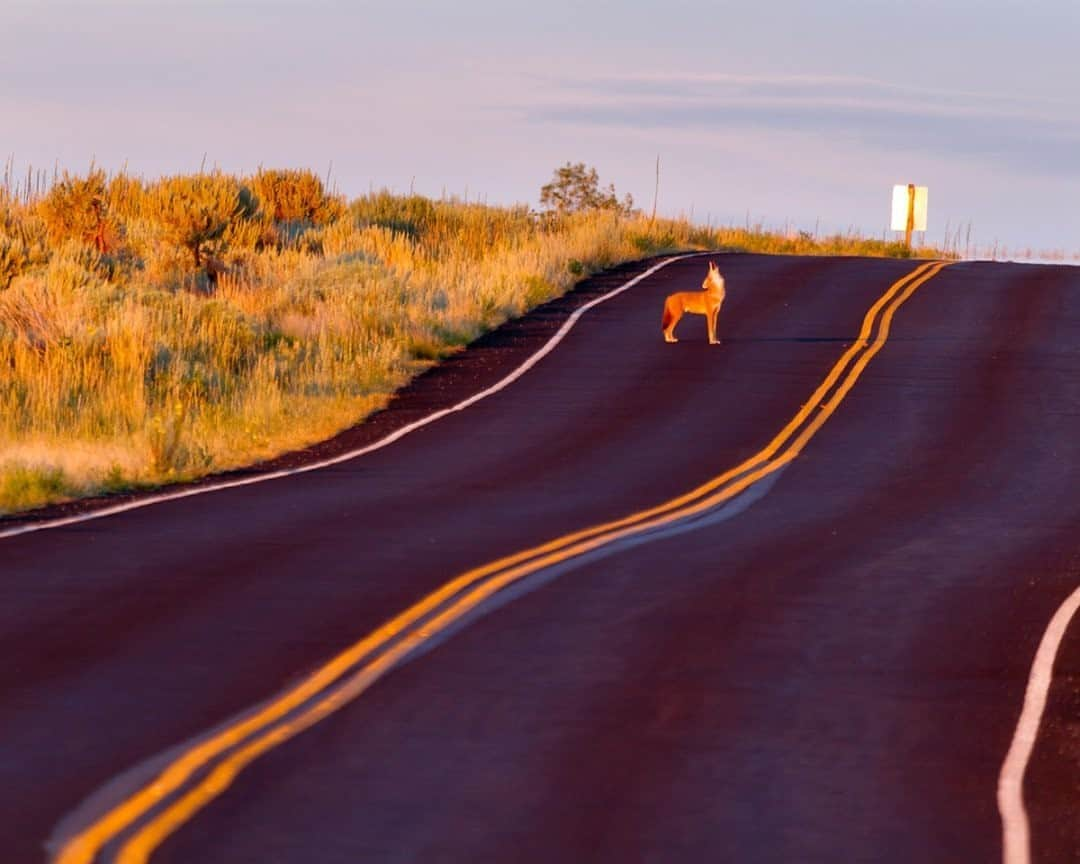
1016, 846
548, 347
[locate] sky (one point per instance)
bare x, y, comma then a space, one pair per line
795, 115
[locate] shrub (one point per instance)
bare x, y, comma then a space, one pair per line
22, 243
77, 208
295, 196
194, 211
410, 215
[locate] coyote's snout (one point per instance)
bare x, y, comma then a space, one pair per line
705, 302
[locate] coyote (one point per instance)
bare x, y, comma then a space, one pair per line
704, 302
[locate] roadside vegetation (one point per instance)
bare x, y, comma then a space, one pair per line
157, 331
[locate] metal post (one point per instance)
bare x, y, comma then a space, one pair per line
910, 214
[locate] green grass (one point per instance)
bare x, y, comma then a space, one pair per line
23, 487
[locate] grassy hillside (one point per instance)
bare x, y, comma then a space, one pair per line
158, 331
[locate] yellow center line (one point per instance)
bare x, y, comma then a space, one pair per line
83, 847
138, 849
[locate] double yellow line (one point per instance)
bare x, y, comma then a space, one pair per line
343, 678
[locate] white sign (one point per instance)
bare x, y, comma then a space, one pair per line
900, 208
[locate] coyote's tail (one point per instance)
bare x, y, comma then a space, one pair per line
668, 317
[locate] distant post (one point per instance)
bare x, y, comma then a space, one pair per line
910, 214
909, 210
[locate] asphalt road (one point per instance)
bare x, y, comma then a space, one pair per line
829, 667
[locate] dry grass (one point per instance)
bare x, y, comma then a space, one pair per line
172, 337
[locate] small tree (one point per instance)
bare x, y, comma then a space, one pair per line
195, 211
77, 208
575, 187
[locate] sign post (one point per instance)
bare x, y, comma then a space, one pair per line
909, 210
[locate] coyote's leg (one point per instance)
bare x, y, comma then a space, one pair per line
714, 313
670, 319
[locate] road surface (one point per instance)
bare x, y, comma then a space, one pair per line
827, 664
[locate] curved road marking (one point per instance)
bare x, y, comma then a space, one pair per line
82, 848
139, 848
1015, 839
547, 348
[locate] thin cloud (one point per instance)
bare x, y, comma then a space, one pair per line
1030, 136
790, 86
